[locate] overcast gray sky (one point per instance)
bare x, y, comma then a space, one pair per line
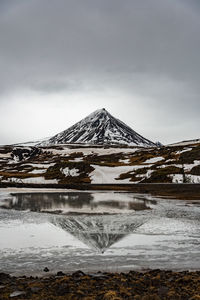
62, 59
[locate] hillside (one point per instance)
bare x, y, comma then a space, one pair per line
69, 164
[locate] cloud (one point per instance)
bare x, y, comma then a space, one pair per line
144, 53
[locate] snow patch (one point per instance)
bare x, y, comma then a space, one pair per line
184, 150
46, 166
103, 174
5, 155
185, 143
36, 180
76, 159
70, 172
38, 171
177, 178
153, 160
125, 161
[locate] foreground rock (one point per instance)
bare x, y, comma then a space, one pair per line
153, 285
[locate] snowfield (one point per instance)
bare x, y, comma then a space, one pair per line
103, 174
153, 160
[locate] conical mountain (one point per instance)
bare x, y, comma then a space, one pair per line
100, 232
100, 128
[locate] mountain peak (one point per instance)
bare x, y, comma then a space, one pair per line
98, 112
100, 127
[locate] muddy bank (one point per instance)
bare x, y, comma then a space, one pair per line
151, 285
177, 191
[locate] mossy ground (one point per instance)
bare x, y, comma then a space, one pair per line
151, 285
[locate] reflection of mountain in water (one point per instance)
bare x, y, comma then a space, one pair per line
76, 202
100, 232
103, 218
46, 201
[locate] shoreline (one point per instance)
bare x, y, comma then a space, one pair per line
148, 285
175, 191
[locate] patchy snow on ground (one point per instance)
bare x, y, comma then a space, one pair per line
153, 160
91, 150
170, 160
124, 161
148, 173
5, 155
103, 174
185, 143
192, 178
38, 180
77, 159
70, 172
144, 176
47, 165
184, 150
188, 167
38, 171
177, 178
172, 165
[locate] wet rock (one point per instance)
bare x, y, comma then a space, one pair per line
99, 276
16, 294
46, 269
60, 273
78, 274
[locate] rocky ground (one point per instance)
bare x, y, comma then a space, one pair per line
150, 285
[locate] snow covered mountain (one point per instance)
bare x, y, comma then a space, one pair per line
99, 128
100, 232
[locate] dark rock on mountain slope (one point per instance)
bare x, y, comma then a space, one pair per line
21, 153
99, 128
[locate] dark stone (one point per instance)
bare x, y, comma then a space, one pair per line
78, 274
4, 276
99, 276
46, 269
60, 273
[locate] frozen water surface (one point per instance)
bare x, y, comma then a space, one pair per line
91, 231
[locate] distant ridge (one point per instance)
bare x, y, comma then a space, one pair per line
99, 128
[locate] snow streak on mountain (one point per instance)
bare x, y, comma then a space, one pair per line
99, 128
